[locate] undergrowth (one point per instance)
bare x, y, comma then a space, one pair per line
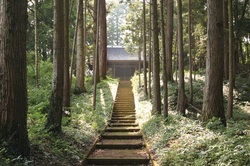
79, 130
186, 140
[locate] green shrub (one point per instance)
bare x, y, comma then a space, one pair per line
214, 124
186, 140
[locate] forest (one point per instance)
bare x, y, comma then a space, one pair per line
192, 100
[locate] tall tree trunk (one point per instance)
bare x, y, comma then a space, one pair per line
156, 67
94, 30
139, 64
236, 60
54, 117
176, 52
13, 98
150, 51
226, 51
247, 51
80, 61
96, 69
173, 67
181, 87
231, 55
85, 28
74, 45
213, 90
194, 45
241, 54
103, 40
36, 45
190, 52
164, 63
66, 92
1, 51
94, 41
144, 49
169, 41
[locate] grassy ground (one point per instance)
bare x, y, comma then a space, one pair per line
188, 141
79, 131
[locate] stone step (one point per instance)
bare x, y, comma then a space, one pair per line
123, 121
118, 157
122, 135
124, 118
125, 99
123, 114
123, 110
120, 144
122, 102
122, 129
125, 96
122, 124
124, 105
133, 112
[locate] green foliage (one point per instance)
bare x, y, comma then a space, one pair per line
79, 130
114, 21
45, 28
214, 124
38, 99
8, 156
243, 87
187, 141
132, 29
45, 73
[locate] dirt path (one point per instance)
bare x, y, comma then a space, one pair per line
121, 143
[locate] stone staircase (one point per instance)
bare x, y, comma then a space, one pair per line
122, 142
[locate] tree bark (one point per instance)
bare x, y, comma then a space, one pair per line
190, 52
74, 45
103, 40
164, 63
36, 45
156, 67
94, 41
96, 69
150, 51
144, 49
85, 29
241, 53
169, 39
194, 45
231, 68
176, 53
181, 87
80, 62
66, 97
1, 51
213, 90
139, 64
13, 98
54, 118
236, 55
226, 51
